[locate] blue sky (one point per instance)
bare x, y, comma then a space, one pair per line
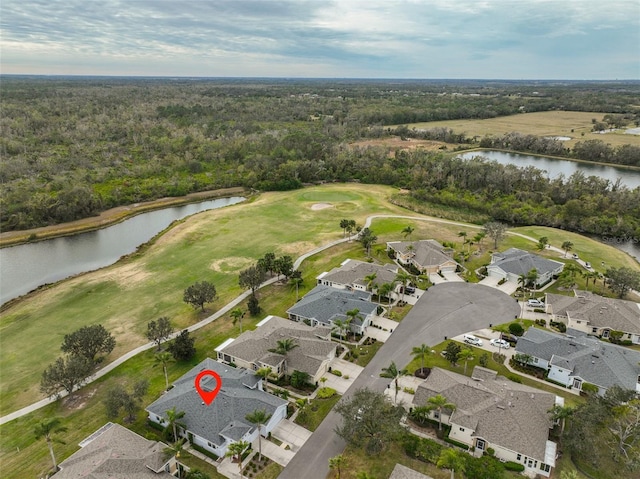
507, 39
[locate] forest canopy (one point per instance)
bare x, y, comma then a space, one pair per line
72, 147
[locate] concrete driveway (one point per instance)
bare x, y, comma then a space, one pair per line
508, 288
435, 278
342, 384
487, 335
279, 454
451, 276
291, 434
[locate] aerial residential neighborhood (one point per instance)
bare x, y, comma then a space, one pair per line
320, 239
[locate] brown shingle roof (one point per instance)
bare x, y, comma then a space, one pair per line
500, 411
116, 453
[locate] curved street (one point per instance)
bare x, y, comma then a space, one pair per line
444, 311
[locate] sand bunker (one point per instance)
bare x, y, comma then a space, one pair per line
321, 206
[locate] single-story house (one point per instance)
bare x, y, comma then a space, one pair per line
428, 256
577, 358
115, 452
352, 273
252, 349
493, 412
593, 314
223, 422
323, 305
514, 263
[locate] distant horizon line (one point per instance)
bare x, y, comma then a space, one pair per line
302, 78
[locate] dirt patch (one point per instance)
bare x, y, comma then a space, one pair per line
396, 143
231, 265
77, 400
321, 206
126, 275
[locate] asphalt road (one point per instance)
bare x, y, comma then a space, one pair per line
445, 310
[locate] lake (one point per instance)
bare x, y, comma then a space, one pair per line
28, 266
555, 167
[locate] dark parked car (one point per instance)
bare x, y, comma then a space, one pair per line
510, 338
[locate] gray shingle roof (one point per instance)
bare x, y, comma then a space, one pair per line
520, 262
238, 397
403, 472
354, 272
500, 411
597, 362
326, 304
426, 253
116, 453
313, 345
598, 311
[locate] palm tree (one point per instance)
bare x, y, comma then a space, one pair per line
343, 224
284, 346
236, 449
237, 315
297, 282
337, 462
451, 459
561, 413
479, 237
164, 358
260, 418
394, 373
176, 449
385, 290
173, 418
407, 231
466, 355
370, 278
264, 373
340, 325
46, 429
352, 316
439, 403
421, 352
403, 277
590, 275
532, 277
567, 246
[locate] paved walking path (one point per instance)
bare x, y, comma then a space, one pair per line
111, 366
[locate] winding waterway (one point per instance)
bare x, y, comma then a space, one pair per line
25, 267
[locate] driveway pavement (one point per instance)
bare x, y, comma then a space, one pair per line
445, 310
435, 278
508, 288
279, 454
291, 434
342, 384
451, 276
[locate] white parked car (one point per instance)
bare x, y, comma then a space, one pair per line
499, 343
471, 339
535, 303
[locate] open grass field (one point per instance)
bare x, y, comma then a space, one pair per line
548, 123
211, 246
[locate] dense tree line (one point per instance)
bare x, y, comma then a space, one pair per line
72, 148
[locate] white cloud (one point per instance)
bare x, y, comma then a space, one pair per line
401, 38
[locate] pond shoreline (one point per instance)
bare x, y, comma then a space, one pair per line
112, 216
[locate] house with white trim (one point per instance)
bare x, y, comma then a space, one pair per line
253, 350
493, 412
427, 256
514, 263
597, 315
213, 427
577, 358
351, 275
323, 305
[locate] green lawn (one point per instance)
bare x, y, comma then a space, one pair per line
211, 246
316, 411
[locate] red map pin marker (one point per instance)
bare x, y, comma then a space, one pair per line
208, 396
